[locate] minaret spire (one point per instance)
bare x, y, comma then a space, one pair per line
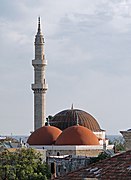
39, 87
39, 30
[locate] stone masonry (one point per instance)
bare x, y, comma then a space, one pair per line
127, 137
39, 87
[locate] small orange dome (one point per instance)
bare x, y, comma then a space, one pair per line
77, 135
45, 135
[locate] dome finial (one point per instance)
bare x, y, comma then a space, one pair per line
72, 106
48, 121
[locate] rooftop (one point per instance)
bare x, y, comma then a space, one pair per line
116, 167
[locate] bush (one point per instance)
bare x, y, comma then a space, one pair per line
23, 164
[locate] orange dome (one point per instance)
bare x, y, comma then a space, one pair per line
45, 135
77, 135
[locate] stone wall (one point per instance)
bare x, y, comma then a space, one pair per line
68, 164
89, 151
127, 138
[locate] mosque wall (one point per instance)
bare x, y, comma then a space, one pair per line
89, 151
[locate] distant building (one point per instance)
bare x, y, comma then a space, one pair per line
116, 167
127, 137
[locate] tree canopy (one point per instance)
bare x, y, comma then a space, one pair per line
23, 164
119, 144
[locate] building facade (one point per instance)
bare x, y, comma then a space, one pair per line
127, 137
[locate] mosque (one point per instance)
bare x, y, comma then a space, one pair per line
71, 131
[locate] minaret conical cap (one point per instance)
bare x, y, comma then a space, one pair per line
39, 29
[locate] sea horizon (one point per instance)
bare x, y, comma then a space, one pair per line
25, 137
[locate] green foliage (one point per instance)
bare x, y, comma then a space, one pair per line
24, 164
119, 144
48, 119
101, 156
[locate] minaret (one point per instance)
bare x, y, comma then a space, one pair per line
39, 87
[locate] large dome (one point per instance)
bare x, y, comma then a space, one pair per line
77, 135
67, 118
45, 135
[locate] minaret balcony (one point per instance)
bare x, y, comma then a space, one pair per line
39, 62
39, 86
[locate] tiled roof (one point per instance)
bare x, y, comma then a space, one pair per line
77, 135
45, 135
117, 167
69, 117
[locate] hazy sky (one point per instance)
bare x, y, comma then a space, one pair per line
88, 48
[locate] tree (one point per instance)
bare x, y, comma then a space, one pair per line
101, 156
119, 144
23, 164
48, 119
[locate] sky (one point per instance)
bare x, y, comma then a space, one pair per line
88, 49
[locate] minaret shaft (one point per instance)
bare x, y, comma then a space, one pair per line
39, 109
39, 87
